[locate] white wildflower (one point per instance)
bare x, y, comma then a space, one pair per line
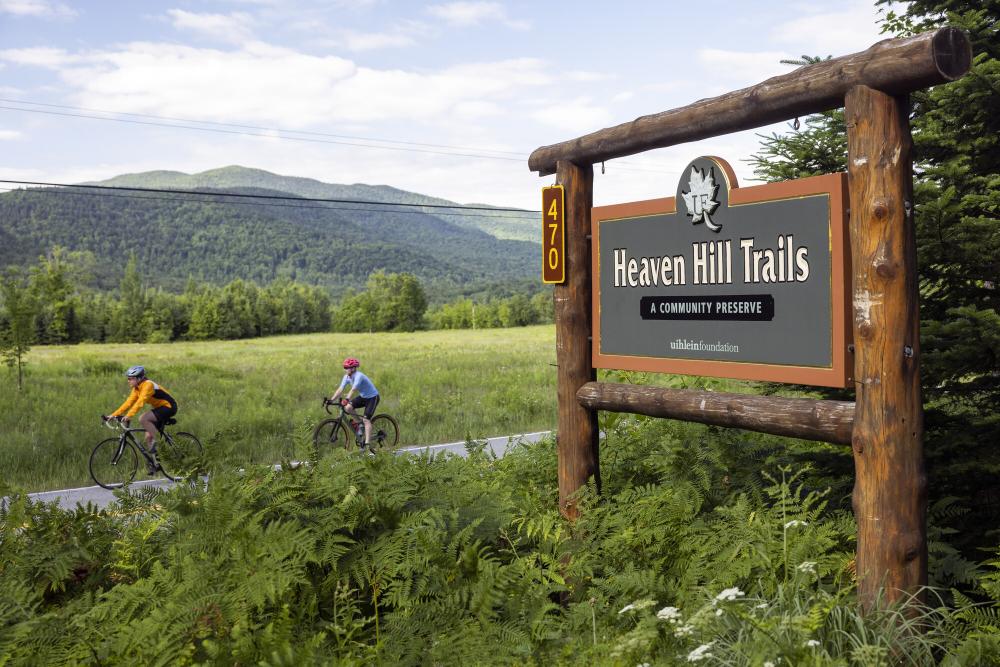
700, 652
768, 663
807, 566
643, 664
795, 522
762, 605
637, 605
672, 614
730, 594
685, 630
812, 643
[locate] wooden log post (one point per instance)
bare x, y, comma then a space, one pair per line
577, 425
890, 491
806, 418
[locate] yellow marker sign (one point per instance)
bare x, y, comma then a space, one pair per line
553, 235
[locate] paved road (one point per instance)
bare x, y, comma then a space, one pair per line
70, 498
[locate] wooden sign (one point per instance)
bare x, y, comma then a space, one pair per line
553, 235
748, 283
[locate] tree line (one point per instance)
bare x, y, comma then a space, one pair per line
52, 303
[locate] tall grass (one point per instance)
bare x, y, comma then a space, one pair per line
260, 398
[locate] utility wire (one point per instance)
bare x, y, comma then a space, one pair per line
457, 209
518, 154
267, 133
266, 136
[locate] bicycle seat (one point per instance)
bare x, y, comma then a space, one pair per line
170, 422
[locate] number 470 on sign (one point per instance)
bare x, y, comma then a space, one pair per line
553, 234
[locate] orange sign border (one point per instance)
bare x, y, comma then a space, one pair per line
839, 374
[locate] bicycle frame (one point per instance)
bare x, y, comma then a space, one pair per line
345, 418
127, 436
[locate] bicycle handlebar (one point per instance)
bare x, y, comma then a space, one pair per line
114, 423
327, 403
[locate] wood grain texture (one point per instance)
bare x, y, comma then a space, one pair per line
809, 419
896, 66
890, 491
577, 426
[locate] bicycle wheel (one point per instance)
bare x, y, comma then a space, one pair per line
385, 433
178, 455
331, 434
113, 463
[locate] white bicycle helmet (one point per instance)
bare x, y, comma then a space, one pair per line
136, 372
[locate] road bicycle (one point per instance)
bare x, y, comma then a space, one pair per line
115, 461
346, 430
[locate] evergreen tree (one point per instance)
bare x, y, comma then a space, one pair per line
55, 296
18, 330
956, 135
127, 322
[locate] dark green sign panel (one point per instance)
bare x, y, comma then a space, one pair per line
719, 280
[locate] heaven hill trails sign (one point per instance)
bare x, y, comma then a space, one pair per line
724, 281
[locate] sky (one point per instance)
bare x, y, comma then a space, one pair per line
442, 98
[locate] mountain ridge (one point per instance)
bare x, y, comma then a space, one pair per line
519, 228
210, 237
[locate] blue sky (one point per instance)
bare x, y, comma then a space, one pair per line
443, 98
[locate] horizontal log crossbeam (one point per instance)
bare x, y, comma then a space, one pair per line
809, 419
895, 66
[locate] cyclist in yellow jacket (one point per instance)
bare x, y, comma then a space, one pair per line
146, 392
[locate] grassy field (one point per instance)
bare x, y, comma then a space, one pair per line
260, 398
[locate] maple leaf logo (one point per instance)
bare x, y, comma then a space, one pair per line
700, 200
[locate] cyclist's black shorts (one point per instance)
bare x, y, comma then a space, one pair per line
368, 403
164, 413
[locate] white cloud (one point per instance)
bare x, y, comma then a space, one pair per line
39, 56
464, 14
741, 68
574, 117
370, 41
821, 32
41, 8
9, 135
403, 33
476, 109
582, 76
263, 84
236, 27
258, 82
375, 95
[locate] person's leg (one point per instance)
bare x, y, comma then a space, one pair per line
369, 413
148, 422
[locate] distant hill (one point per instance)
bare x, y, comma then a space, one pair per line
514, 227
216, 239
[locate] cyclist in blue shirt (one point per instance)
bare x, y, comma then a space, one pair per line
367, 394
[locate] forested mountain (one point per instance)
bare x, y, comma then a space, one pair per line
217, 238
501, 225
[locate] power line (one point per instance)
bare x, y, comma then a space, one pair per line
265, 136
266, 133
267, 199
519, 154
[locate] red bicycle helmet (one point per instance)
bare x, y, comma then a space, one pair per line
351, 362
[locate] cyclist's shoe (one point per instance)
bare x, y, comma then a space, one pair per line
152, 467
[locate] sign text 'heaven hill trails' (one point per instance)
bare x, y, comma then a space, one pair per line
748, 283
